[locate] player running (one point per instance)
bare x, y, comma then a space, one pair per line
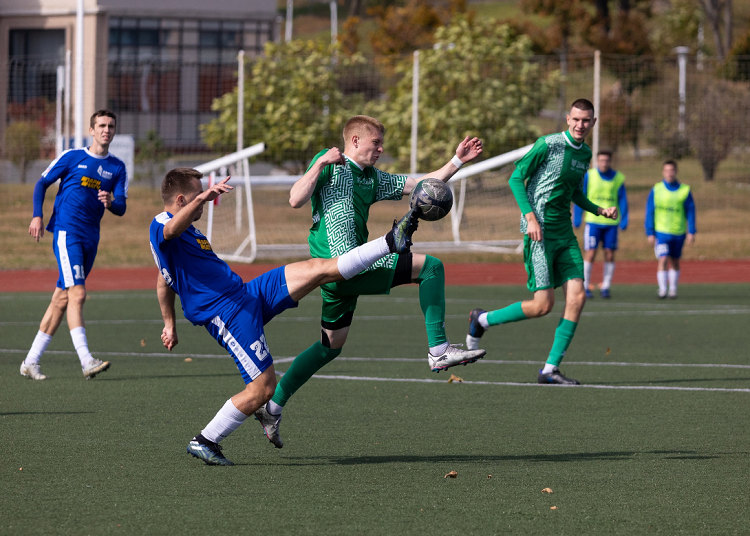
91, 180
544, 183
233, 312
670, 211
342, 187
605, 186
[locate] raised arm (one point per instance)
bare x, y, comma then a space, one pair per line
467, 150
179, 223
166, 303
304, 188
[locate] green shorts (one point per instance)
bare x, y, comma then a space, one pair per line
340, 298
551, 262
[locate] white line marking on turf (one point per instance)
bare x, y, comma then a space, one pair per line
519, 384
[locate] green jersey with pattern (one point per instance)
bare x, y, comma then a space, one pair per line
341, 206
548, 178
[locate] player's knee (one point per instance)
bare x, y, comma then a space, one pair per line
60, 301
77, 298
541, 307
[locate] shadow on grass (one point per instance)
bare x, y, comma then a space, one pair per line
544, 458
45, 413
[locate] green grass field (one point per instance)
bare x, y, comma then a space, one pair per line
660, 448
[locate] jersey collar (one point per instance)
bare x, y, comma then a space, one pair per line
355, 163
92, 155
571, 141
672, 187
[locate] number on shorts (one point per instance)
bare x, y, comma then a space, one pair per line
78, 269
662, 250
260, 348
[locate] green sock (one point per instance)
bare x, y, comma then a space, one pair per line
563, 335
303, 367
512, 313
432, 300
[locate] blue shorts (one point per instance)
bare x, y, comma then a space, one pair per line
240, 331
668, 245
75, 258
595, 234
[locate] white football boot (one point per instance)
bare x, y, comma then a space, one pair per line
94, 367
453, 355
270, 424
32, 371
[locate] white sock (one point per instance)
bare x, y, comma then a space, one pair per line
81, 345
360, 259
548, 368
273, 408
587, 267
661, 277
40, 344
439, 349
482, 319
674, 278
224, 423
609, 271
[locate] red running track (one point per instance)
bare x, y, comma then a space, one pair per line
627, 272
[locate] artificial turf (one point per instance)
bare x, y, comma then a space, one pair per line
369, 456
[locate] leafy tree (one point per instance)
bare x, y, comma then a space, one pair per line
293, 102
479, 80
151, 153
23, 141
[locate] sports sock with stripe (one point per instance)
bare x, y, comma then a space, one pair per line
609, 271
512, 313
38, 347
303, 367
587, 267
563, 335
226, 421
431, 281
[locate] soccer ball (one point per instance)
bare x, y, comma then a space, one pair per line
432, 198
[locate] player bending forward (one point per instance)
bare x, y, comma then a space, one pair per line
544, 183
233, 312
342, 188
88, 179
670, 212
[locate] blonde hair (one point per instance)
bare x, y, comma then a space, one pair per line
361, 125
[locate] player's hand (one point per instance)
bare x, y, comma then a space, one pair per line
169, 337
106, 198
333, 156
652, 240
216, 190
534, 230
690, 239
469, 149
610, 212
36, 228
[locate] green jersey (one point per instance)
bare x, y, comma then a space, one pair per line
548, 178
341, 206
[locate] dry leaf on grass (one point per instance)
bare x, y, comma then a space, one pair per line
608, 350
547, 490
452, 474
489, 476
454, 378
553, 507
143, 342
188, 360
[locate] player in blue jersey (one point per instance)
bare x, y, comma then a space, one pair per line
91, 181
605, 187
233, 312
670, 213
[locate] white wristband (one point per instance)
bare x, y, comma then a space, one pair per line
456, 161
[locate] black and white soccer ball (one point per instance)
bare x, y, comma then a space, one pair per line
432, 198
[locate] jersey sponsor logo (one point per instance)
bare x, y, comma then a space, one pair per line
88, 182
197, 231
578, 165
104, 173
316, 217
82, 166
204, 244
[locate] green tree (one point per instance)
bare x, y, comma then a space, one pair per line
23, 141
479, 80
150, 152
293, 102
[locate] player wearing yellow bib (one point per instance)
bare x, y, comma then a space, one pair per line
604, 186
670, 213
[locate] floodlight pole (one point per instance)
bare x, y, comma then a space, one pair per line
682, 53
597, 103
59, 110
66, 128
334, 22
414, 112
240, 99
79, 76
289, 15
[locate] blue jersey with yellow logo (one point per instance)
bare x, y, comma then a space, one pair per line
205, 283
82, 174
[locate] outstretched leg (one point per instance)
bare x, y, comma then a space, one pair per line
575, 298
51, 320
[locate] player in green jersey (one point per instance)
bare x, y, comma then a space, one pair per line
342, 187
544, 183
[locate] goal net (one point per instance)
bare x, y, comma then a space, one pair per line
256, 221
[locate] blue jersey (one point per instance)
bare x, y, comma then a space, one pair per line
82, 174
206, 285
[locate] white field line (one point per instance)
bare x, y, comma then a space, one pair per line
289, 359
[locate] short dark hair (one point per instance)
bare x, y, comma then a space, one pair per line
604, 152
582, 104
670, 162
179, 181
101, 113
